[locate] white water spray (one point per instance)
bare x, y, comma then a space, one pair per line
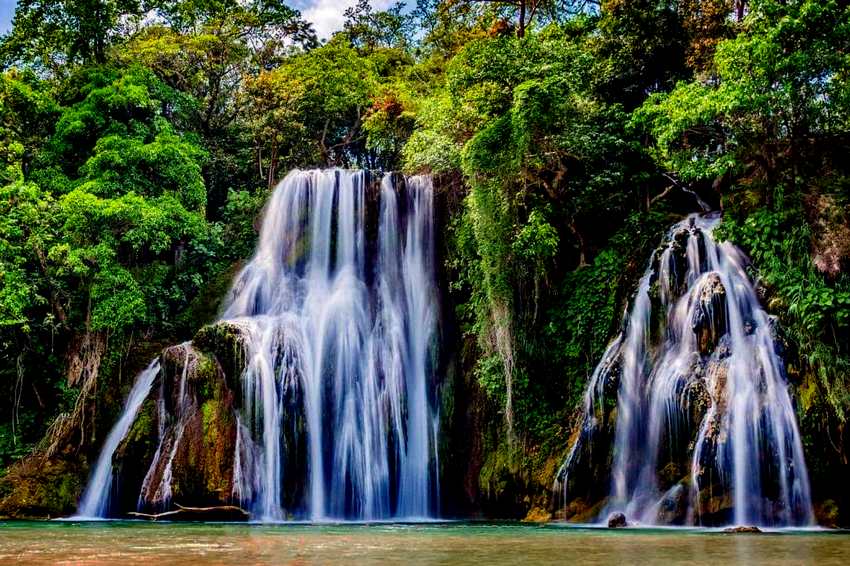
95, 500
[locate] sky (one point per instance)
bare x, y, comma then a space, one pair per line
326, 15
7, 10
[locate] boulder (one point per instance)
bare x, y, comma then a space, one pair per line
617, 521
709, 314
194, 435
742, 529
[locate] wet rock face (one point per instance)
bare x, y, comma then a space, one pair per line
582, 485
673, 507
709, 315
133, 455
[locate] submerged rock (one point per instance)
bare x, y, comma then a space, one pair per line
742, 529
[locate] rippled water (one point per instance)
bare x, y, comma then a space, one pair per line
443, 543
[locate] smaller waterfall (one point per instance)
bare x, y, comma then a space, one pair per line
704, 428
95, 501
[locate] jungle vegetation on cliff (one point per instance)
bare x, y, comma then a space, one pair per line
139, 140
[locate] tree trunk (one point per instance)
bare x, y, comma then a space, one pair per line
521, 29
273, 167
582, 248
217, 513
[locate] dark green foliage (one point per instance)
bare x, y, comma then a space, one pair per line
545, 157
773, 128
104, 231
50, 34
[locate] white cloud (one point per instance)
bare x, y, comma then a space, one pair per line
327, 15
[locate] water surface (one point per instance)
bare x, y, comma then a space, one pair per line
119, 542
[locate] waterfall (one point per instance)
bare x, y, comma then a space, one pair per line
339, 316
95, 500
156, 486
705, 431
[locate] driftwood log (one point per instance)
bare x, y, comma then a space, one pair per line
218, 513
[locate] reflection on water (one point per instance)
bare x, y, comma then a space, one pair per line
455, 543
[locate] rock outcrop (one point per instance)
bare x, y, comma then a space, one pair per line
181, 447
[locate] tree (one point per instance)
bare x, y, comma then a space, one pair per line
368, 29
27, 112
310, 110
766, 115
208, 50
643, 45
526, 10
53, 33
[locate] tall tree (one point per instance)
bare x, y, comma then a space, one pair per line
367, 28
643, 43
53, 33
525, 11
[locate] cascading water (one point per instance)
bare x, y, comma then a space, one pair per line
705, 431
339, 348
95, 500
156, 486
326, 396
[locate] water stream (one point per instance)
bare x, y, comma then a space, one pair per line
95, 500
705, 428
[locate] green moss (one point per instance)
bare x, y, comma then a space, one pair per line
206, 376
144, 426
37, 488
217, 426
225, 341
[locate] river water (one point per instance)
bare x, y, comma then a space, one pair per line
121, 542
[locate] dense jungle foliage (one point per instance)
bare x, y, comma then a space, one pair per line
139, 140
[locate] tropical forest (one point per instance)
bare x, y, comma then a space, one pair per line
424, 281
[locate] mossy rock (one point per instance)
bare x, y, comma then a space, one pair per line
827, 513
537, 515
225, 340
205, 378
203, 463
219, 433
43, 488
581, 511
